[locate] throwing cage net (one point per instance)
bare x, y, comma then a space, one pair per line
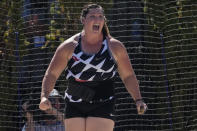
160, 37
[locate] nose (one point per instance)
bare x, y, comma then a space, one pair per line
98, 18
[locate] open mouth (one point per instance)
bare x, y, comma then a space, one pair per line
95, 27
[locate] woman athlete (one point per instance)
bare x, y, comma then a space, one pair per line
91, 59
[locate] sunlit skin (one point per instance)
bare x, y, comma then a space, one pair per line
94, 17
92, 39
91, 42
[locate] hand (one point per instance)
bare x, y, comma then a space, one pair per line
45, 104
29, 115
141, 107
25, 105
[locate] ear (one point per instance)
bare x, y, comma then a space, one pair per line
82, 20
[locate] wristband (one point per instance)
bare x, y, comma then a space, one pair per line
138, 100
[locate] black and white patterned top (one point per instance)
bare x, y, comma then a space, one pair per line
95, 67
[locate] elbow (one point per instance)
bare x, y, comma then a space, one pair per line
129, 78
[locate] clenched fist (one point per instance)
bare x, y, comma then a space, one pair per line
141, 107
45, 104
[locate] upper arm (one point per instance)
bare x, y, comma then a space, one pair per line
60, 59
121, 56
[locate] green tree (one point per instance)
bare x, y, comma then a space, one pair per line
10, 19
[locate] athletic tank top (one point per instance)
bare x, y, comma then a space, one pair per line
95, 67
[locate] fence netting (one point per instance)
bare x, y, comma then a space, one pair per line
160, 37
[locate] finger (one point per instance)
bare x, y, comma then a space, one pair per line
47, 105
142, 109
43, 106
25, 105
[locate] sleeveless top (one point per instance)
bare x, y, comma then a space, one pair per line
95, 67
96, 71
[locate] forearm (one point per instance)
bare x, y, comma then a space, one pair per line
48, 84
30, 123
132, 86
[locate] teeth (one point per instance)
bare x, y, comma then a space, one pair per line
96, 26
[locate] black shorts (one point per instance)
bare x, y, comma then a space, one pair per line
85, 109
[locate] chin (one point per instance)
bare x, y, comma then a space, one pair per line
96, 32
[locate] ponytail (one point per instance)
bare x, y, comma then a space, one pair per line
105, 30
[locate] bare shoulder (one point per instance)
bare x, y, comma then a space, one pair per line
116, 47
70, 42
67, 47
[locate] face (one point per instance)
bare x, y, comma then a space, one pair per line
94, 20
33, 20
55, 103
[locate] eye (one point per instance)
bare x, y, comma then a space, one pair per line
101, 16
92, 17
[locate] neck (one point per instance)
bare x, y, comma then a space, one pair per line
91, 43
92, 38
